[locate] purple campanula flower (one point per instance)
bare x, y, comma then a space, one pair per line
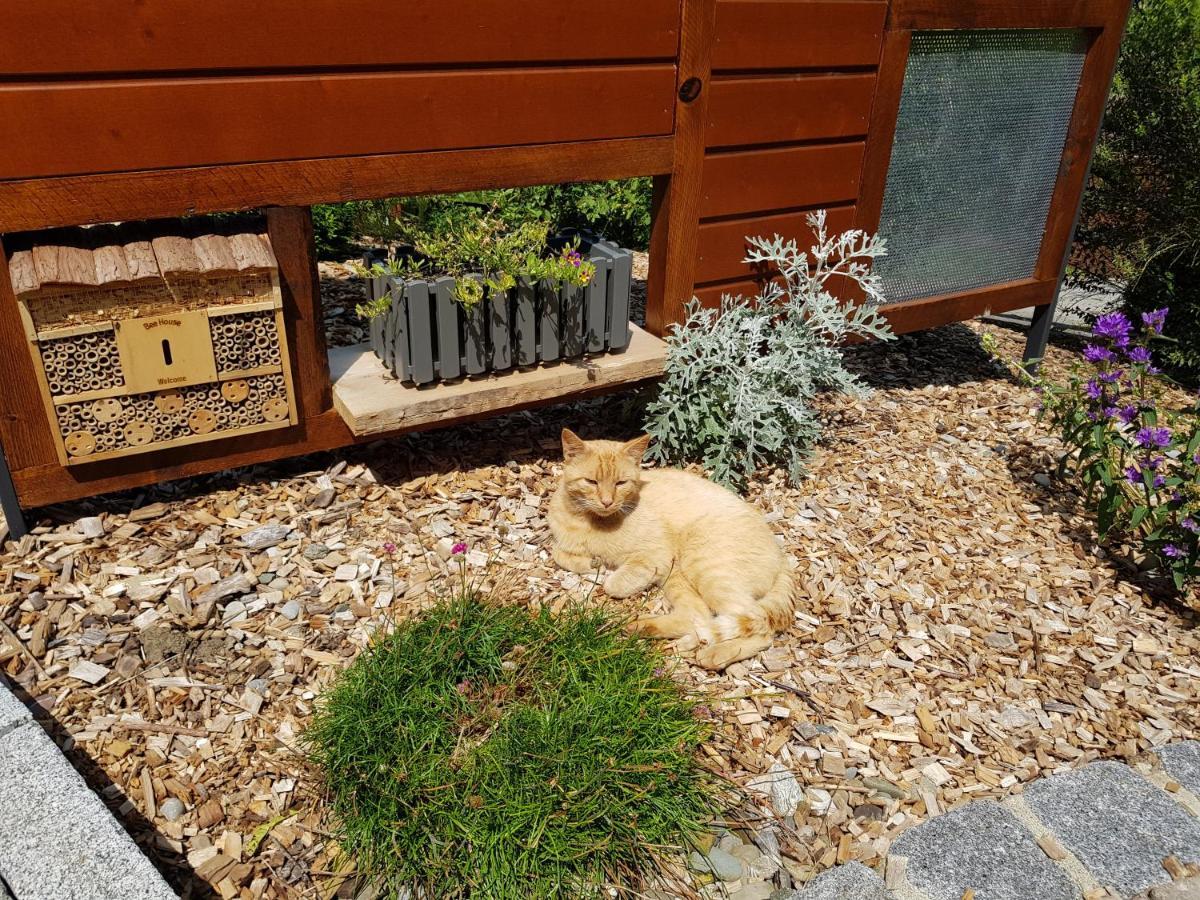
1153, 462
1190, 524
1095, 353
1160, 480
1110, 411
1172, 551
1153, 437
1112, 377
1133, 475
1155, 319
1127, 414
1138, 355
1114, 326
1093, 389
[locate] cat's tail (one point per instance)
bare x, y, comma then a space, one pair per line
769, 615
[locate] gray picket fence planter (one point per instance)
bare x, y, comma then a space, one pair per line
426, 335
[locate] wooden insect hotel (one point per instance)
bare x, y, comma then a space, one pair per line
961, 130
144, 345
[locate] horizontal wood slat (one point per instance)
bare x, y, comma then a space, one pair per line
785, 178
723, 244
917, 315
82, 200
69, 129
932, 14
798, 34
788, 108
101, 36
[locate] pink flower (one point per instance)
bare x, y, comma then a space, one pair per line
389, 548
460, 547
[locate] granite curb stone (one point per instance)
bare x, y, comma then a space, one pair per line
1118, 824
851, 881
980, 847
1182, 762
57, 839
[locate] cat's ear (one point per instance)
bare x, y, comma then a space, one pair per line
635, 448
573, 445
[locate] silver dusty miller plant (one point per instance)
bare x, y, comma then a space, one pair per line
739, 383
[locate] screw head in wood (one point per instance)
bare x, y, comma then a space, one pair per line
690, 90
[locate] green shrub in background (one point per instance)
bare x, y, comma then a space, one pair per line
619, 210
483, 750
1141, 215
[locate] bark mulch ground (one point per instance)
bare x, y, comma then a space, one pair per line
959, 630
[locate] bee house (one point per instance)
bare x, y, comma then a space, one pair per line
147, 344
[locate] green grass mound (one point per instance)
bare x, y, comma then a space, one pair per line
488, 751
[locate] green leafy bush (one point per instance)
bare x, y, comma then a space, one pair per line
1141, 216
740, 380
489, 751
335, 228
1138, 463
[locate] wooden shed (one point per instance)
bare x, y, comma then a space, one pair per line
960, 129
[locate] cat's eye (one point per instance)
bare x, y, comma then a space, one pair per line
591, 482
622, 483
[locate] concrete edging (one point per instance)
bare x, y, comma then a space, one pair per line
58, 841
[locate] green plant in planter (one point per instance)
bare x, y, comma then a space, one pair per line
1137, 461
489, 751
483, 245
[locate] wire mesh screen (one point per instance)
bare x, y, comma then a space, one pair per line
980, 135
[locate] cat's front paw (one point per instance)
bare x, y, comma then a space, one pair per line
573, 562
627, 581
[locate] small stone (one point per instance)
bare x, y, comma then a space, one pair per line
869, 811
346, 572
258, 685
756, 891
1000, 641
265, 536
322, 499
721, 864
781, 786
171, 808
1015, 717
291, 610
315, 552
1042, 478
234, 611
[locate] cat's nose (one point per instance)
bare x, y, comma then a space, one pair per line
607, 502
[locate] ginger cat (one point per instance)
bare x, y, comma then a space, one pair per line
718, 562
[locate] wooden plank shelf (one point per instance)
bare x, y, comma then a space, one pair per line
374, 402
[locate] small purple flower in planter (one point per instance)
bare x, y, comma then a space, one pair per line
1172, 551
1115, 327
1155, 319
1153, 437
459, 548
1127, 414
1139, 355
1095, 353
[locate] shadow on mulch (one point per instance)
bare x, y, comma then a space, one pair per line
950, 355
173, 867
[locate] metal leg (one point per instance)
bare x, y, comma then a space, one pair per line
1038, 335
9, 503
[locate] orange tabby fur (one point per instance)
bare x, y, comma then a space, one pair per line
724, 574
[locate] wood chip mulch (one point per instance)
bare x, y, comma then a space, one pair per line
959, 631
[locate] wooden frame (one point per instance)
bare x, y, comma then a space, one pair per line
1104, 21
748, 113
